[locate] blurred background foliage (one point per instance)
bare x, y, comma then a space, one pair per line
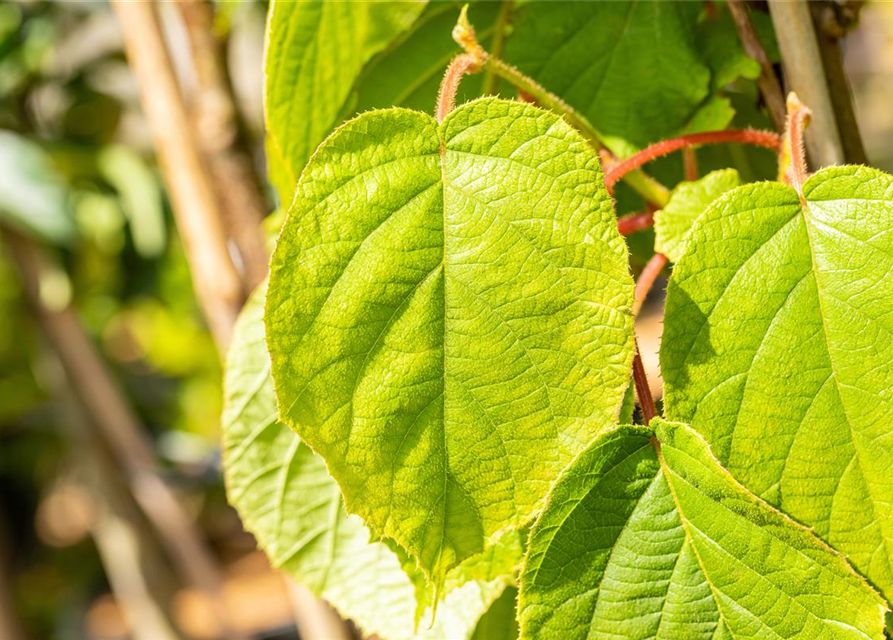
79, 176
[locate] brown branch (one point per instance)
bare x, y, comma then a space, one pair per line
643, 391
221, 132
827, 17
633, 222
104, 403
770, 87
805, 74
196, 207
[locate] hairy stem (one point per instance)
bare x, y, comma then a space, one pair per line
633, 222
792, 160
446, 98
646, 280
767, 139
770, 87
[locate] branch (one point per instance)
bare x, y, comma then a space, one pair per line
827, 17
646, 280
806, 76
768, 82
115, 423
221, 133
196, 208
643, 391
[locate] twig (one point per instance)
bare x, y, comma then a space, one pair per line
806, 76
197, 210
770, 87
643, 391
767, 139
113, 419
221, 133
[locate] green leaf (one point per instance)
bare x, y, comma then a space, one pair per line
286, 498
315, 51
688, 201
33, 196
632, 68
409, 73
449, 318
499, 623
778, 347
645, 536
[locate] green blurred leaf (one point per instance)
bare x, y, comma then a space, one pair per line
33, 197
141, 197
778, 347
646, 537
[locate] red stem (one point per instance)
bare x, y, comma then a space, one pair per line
635, 222
690, 163
646, 280
798, 118
446, 99
767, 139
643, 391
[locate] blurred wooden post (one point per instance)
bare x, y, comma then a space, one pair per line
221, 134
196, 205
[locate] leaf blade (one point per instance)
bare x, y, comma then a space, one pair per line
811, 360
648, 540
386, 325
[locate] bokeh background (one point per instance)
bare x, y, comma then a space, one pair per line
90, 240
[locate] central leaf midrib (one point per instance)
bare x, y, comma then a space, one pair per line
804, 209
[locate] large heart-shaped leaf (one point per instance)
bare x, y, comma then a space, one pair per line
778, 347
449, 318
314, 53
646, 537
285, 497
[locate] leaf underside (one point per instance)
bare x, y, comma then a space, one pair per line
286, 498
778, 347
448, 318
656, 541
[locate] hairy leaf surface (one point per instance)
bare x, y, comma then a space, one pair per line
315, 51
778, 347
449, 318
687, 201
646, 537
286, 498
